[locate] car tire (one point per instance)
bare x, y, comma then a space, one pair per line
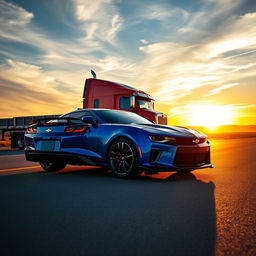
123, 158
52, 166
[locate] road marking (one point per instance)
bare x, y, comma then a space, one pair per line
12, 155
20, 168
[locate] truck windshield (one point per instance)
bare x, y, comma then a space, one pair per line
122, 117
143, 104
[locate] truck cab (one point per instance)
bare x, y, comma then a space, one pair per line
107, 94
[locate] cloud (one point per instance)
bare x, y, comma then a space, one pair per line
9, 15
143, 41
209, 18
101, 22
91, 30
113, 63
12, 19
239, 35
100, 19
116, 24
17, 26
162, 12
175, 70
26, 86
219, 89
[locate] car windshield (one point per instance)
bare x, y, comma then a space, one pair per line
143, 104
122, 117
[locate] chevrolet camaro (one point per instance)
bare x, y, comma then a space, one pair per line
118, 140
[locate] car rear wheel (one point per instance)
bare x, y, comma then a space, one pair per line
123, 158
52, 166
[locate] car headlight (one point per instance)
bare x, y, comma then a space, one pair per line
162, 139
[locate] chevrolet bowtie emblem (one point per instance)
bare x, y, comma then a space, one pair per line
195, 141
48, 130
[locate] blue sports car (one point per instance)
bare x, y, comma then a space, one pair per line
118, 140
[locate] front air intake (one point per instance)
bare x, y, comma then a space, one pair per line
154, 156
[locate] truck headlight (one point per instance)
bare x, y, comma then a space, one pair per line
162, 139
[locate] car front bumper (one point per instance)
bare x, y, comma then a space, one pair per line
183, 157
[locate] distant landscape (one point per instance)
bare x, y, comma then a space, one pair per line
228, 131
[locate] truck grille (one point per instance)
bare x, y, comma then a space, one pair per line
192, 156
162, 119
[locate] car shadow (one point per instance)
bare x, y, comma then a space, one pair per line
170, 214
86, 211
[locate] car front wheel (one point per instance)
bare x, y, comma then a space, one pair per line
52, 166
123, 158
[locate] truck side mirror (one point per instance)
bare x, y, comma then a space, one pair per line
90, 120
132, 104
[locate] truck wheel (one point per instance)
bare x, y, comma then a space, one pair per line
52, 166
20, 141
123, 158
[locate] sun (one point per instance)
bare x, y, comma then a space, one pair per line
210, 116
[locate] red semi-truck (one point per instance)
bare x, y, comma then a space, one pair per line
106, 94
97, 94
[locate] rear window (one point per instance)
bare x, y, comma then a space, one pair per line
80, 115
122, 117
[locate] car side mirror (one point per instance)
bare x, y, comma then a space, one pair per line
90, 120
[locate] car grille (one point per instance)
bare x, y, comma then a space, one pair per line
187, 141
192, 156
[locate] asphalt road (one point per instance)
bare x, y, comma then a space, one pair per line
85, 211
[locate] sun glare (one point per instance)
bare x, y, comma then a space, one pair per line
210, 116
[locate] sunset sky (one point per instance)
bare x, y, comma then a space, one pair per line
196, 58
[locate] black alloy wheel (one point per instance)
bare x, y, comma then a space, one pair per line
123, 158
52, 166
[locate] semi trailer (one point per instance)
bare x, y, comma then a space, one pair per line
15, 127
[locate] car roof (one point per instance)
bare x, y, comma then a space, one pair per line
95, 109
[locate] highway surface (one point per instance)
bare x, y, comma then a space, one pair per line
85, 211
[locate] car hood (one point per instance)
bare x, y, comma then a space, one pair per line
176, 131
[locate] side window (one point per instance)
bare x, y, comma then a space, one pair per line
96, 103
125, 103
